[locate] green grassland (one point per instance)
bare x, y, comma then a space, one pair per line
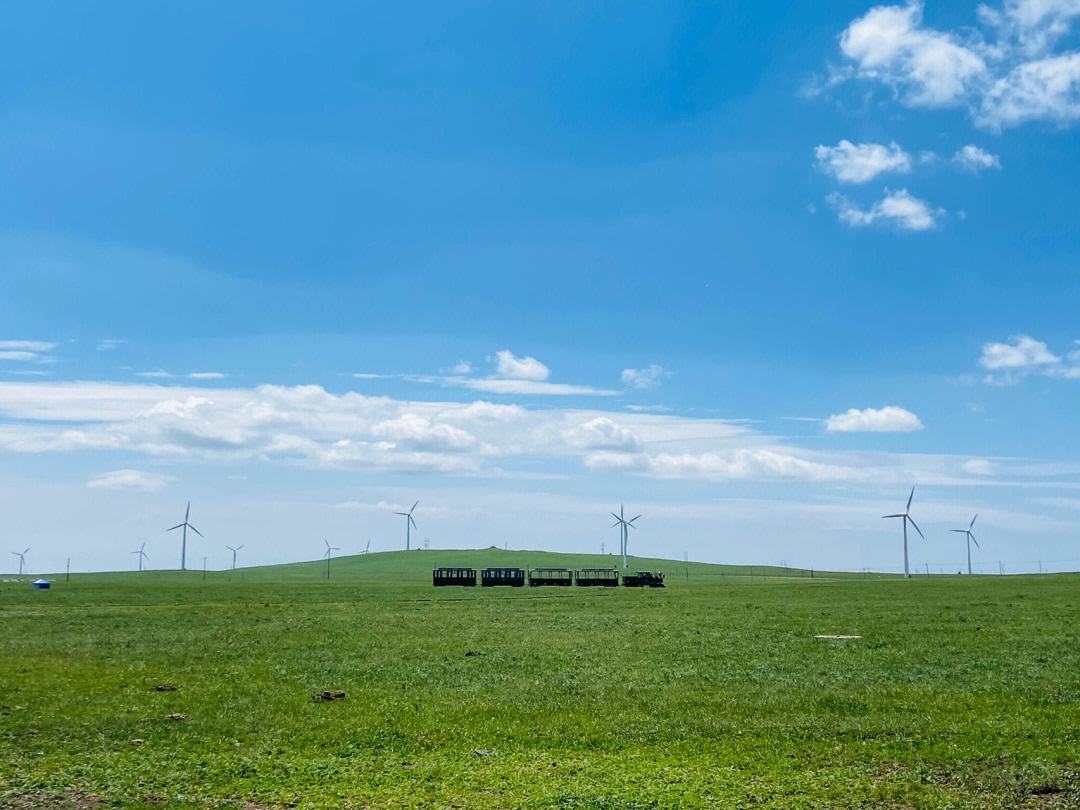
713, 692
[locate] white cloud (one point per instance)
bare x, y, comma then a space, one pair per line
520, 368
1045, 89
978, 466
974, 159
417, 432
890, 419
109, 344
648, 377
130, 480
206, 375
1036, 25
157, 374
27, 345
1006, 73
1022, 354
898, 208
496, 385
603, 432
923, 66
26, 351
1008, 362
311, 427
859, 163
462, 367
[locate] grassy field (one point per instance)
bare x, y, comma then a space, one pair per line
962, 692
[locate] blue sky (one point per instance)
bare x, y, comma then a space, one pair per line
754, 269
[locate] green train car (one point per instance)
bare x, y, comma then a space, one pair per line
551, 576
597, 577
442, 577
512, 577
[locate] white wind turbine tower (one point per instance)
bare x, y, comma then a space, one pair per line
22, 558
183, 544
409, 523
905, 517
626, 525
141, 552
234, 550
970, 539
329, 550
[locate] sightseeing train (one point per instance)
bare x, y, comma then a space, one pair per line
536, 577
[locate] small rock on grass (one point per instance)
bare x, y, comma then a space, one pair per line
177, 717
322, 697
165, 687
482, 752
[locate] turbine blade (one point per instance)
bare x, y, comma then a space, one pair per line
631, 520
973, 540
909, 497
326, 543
891, 516
195, 530
959, 531
239, 547
403, 514
972, 524
916, 525
414, 506
177, 526
412, 520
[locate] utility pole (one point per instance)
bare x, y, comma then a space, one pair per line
204, 569
68, 577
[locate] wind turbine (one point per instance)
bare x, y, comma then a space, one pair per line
183, 544
22, 558
142, 555
970, 539
905, 516
626, 525
367, 548
409, 523
234, 550
329, 549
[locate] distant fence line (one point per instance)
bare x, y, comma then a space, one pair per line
1002, 567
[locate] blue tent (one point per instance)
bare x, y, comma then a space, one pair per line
40, 584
